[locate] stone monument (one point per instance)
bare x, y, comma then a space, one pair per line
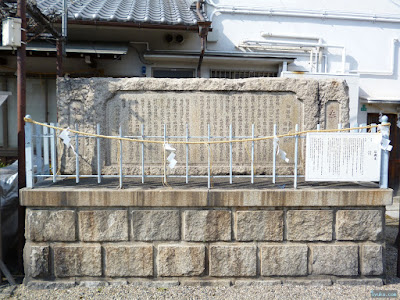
131, 102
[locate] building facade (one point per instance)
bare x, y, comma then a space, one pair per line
356, 41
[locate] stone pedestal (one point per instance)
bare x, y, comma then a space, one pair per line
204, 237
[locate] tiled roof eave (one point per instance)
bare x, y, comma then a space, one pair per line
146, 25
159, 13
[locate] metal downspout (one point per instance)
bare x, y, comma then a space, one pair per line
203, 47
21, 112
203, 31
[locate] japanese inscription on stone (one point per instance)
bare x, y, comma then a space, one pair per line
332, 115
198, 109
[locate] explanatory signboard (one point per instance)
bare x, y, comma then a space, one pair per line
343, 156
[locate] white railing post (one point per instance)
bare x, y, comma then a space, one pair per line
208, 159
230, 155
46, 161
120, 158
76, 154
53, 149
142, 129
98, 154
296, 147
39, 159
274, 155
29, 154
383, 184
252, 154
164, 153
187, 153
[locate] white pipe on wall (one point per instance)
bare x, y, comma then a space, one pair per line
300, 13
299, 44
292, 36
311, 60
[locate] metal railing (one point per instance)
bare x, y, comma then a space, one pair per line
41, 152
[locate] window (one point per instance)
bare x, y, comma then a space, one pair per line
172, 73
236, 74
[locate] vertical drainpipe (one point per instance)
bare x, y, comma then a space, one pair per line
21, 112
202, 49
60, 46
204, 26
61, 41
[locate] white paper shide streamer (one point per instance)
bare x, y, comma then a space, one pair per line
65, 137
385, 145
385, 142
171, 157
280, 153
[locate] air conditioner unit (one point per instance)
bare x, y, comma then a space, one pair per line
11, 32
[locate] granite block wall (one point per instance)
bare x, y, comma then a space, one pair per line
204, 246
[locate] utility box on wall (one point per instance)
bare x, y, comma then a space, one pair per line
11, 32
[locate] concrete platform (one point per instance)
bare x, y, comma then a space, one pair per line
244, 232
241, 193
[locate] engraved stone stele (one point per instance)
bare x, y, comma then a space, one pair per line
332, 115
153, 102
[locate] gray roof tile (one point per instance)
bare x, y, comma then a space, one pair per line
168, 12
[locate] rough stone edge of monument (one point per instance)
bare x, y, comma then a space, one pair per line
191, 84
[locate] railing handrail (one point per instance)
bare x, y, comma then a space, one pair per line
44, 167
123, 138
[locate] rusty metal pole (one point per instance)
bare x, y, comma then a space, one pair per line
21, 94
21, 111
202, 49
204, 27
60, 58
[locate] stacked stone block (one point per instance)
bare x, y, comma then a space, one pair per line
205, 245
